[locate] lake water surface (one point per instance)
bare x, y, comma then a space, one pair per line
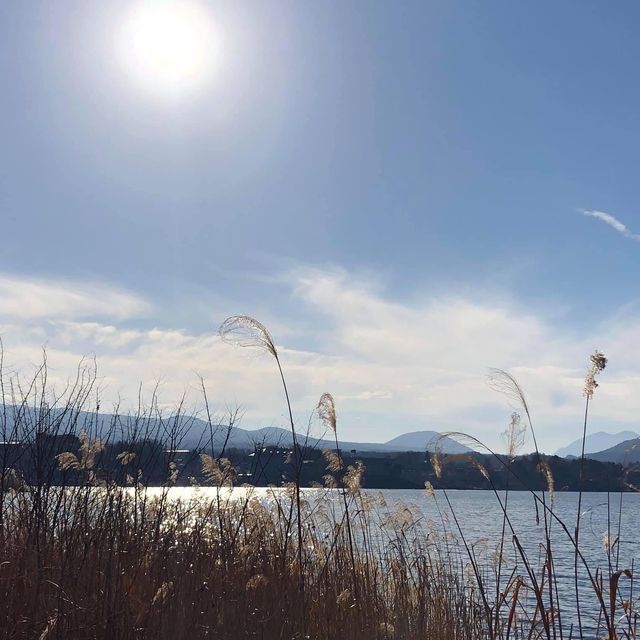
480, 516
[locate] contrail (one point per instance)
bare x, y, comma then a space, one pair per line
613, 222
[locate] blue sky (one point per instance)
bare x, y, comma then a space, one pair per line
396, 189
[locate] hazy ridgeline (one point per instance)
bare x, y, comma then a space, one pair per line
90, 554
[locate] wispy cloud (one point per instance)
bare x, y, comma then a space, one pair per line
25, 298
612, 221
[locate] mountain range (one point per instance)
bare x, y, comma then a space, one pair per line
627, 452
595, 442
413, 441
186, 432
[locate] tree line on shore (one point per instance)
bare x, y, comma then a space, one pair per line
70, 459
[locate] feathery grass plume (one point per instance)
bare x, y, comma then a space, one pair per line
503, 382
334, 462
11, 479
428, 489
436, 463
126, 457
89, 449
220, 472
514, 436
68, 461
598, 364
329, 481
352, 479
545, 470
327, 411
244, 331
608, 541
174, 472
461, 438
478, 466
401, 517
465, 457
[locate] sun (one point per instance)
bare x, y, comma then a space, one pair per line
169, 46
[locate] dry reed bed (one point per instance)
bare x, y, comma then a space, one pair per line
116, 563
103, 561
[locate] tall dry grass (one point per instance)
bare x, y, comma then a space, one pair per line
108, 564
85, 556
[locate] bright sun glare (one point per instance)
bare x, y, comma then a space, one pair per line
169, 46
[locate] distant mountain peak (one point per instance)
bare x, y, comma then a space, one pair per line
596, 442
627, 452
426, 440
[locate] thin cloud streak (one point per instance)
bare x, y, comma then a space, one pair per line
612, 221
27, 299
